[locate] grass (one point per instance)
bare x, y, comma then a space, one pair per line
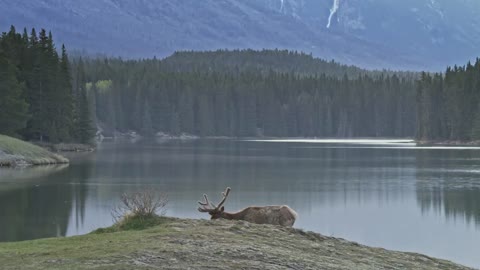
82, 252
168, 243
133, 223
17, 152
78, 252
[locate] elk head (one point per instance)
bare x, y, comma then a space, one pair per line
215, 211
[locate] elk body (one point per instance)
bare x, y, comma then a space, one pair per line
274, 214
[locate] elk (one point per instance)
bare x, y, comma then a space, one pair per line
275, 214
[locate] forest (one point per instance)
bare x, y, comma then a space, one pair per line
239, 100
448, 104
241, 93
38, 101
264, 61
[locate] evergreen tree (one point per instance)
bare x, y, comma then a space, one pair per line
241, 99
13, 108
84, 130
146, 127
447, 104
36, 79
64, 98
475, 134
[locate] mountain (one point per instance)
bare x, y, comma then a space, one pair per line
407, 34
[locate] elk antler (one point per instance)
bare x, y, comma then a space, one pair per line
225, 195
210, 207
204, 206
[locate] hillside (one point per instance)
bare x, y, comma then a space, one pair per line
200, 244
266, 61
412, 34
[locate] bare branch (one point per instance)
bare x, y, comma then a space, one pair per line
144, 203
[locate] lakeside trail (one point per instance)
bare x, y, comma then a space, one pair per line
201, 244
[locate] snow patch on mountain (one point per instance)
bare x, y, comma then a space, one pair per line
414, 34
333, 10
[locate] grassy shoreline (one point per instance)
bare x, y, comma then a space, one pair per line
200, 244
15, 152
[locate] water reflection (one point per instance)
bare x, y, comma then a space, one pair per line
448, 185
35, 202
390, 195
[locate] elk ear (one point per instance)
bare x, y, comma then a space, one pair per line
222, 209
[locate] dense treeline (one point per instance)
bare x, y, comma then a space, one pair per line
38, 101
448, 104
44, 96
281, 61
150, 96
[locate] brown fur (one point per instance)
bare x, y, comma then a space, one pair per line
275, 214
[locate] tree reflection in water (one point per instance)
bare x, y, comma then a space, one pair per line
39, 201
448, 185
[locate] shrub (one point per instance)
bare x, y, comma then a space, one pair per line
140, 206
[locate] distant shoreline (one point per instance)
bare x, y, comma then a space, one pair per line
447, 143
66, 147
360, 140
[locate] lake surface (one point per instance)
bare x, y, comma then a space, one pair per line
388, 194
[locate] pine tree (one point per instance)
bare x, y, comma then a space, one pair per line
146, 128
64, 100
475, 133
84, 130
186, 113
33, 74
36, 90
13, 108
243, 93
82, 127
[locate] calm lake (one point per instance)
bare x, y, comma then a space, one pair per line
379, 193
